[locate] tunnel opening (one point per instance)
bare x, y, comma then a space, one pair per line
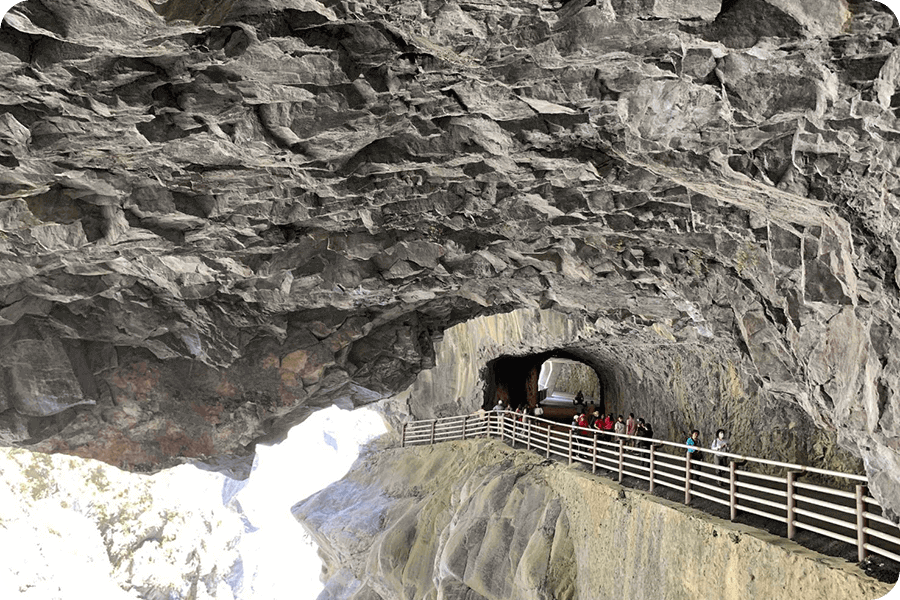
552, 379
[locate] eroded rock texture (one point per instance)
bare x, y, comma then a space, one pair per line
477, 521
218, 216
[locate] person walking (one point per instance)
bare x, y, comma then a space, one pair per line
693, 454
608, 423
720, 444
631, 428
582, 420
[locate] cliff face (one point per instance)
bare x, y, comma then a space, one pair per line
477, 521
219, 216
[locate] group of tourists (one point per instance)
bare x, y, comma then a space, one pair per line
719, 444
588, 417
609, 423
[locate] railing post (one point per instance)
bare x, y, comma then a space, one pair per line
433, 426
791, 505
548, 440
652, 467
732, 492
687, 477
594, 455
465, 422
527, 432
514, 432
571, 433
621, 460
861, 523
502, 427
403, 436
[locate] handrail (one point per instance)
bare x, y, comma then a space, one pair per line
621, 454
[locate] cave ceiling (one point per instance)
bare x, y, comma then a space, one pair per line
216, 217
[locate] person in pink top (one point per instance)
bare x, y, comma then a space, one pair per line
630, 425
630, 428
609, 423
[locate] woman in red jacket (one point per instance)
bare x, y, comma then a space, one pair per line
609, 423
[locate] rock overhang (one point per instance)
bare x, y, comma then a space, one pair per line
250, 210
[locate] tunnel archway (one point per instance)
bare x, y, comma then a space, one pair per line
566, 379
517, 380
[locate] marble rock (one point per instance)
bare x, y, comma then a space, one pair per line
217, 217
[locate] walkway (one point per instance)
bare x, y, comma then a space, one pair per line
836, 506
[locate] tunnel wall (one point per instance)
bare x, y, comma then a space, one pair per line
676, 387
575, 377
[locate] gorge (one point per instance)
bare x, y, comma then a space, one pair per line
218, 217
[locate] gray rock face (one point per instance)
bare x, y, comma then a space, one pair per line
475, 520
217, 217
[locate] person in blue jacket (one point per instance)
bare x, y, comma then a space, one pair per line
693, 453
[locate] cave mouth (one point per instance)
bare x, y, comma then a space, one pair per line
552, 377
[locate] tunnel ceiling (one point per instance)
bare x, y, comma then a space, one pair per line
219, 216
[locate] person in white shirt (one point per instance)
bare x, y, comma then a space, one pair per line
720, 444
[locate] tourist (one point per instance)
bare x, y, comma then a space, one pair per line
619, 427
608, 423
720, 444
598, 425
579, 399
498, 406
630, 428
582, 420
630, 425
645, 430
693, 453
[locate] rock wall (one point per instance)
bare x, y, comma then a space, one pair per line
577, 377
217, 217
477, 521
675, 388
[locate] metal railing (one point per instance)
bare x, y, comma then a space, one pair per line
852, 517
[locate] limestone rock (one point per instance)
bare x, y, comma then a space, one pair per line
464, 520
78, 528
216, 217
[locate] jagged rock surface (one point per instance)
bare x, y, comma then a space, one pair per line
477, 521
308, 193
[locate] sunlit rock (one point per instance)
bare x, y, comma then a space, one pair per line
79, 529
474, 519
